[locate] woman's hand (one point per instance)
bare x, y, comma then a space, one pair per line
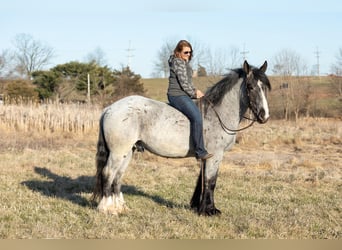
199, 94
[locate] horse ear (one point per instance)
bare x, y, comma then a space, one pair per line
264, 67
246, 66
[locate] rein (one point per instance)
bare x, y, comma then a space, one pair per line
224, 127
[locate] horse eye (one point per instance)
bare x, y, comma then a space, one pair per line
250, 86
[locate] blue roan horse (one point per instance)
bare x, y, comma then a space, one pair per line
136, 122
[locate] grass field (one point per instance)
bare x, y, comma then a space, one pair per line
282, 180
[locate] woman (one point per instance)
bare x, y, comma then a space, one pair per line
181, 91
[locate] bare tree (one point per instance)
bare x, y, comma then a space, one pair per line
98, 56
214, 61
288, 62
296, 90
31, 55
219, 61
161, 66
235, 58
336, 74
4, 63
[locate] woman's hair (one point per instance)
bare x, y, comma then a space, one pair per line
180, 45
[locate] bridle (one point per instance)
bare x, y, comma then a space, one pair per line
225, 127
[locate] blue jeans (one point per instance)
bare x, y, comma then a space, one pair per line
186, 105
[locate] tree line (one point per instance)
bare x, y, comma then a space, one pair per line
23, 75
69, 81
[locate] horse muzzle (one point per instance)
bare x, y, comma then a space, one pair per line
262, 117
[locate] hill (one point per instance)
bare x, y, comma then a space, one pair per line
304, 96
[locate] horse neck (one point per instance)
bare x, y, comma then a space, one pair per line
234, 104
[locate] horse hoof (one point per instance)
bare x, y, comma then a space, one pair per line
210, 212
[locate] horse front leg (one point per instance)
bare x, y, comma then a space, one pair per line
203, 197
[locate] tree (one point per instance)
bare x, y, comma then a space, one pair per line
98, 56
74, 80
31, 55
336, 76
289, 63
47, 83
296, 96
201, 71
127, 83
161, 66
21, 91
215, 62
4, 62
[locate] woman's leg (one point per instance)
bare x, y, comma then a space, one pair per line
186, 105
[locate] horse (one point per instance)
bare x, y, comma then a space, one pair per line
138, 123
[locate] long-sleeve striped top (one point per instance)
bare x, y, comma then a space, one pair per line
180, 79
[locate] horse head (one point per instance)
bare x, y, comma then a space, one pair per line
257, 84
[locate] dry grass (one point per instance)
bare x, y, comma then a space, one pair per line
282, 180
50, 118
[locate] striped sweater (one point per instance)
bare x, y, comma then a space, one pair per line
180, 79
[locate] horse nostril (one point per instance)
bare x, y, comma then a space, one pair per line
262, 114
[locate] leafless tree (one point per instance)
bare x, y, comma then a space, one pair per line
98, 56
336, 73
219, 61
215, 61
30, 55
161, 67
288, 62
297, 95
4, 62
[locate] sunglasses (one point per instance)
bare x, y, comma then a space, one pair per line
187, 52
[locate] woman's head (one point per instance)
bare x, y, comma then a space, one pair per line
183, 50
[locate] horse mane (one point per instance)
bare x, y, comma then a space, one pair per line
216, 92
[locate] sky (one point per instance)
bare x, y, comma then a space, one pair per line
133, 32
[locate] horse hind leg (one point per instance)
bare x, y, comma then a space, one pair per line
119, 205
112, 200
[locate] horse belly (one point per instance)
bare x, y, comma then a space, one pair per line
162, 129
166, 133
169, 138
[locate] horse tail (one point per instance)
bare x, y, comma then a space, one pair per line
101, 161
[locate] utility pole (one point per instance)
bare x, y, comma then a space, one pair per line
244, 52
129, 54
88, 89
317, 52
